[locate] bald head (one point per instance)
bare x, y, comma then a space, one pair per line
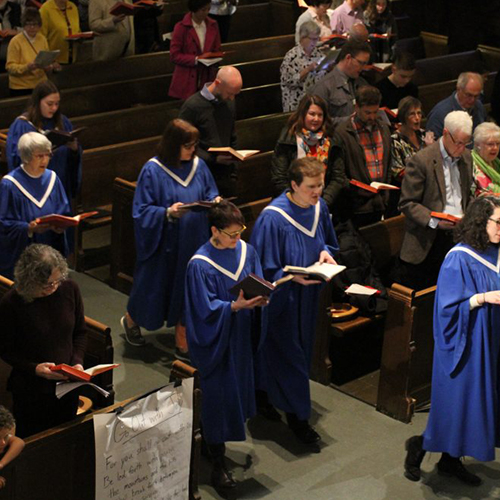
227, 84
358, 32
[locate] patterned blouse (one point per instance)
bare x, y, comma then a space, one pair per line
292, 88
402, 150
482, 184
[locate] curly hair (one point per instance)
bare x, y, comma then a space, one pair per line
471, 230
34, 267
6, 419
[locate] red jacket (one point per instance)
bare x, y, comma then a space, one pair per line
188, 76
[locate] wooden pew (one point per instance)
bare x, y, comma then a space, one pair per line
99, 350
60, 462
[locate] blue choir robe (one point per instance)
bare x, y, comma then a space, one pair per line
67, 164
164, 247
219, 340
464, 417
286, 234
22, 199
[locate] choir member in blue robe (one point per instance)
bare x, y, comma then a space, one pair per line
295, 229
166, 236
464, 418
29, 192
219, 333
43, 114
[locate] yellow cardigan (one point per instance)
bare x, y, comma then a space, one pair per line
55, 28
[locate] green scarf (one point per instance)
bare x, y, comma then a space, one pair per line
493, 172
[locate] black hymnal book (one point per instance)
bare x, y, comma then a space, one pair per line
61, 137
253, 286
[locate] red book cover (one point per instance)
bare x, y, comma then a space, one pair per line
81, 375
84, 35
62, 221
448, 217
126, 9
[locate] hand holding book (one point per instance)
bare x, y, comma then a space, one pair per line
242, 303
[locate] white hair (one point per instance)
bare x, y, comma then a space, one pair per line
31, 142
308, 28
486, 131
458, 121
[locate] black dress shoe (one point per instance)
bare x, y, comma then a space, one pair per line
305, 433
451, 466
222, 478
414, 456
270, 412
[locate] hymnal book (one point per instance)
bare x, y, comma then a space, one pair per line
84, 35
210, 62
240, 154
381, 36
45, 58
330, 57
373, 187
450, 218
381, 66
253, 286
200, 205
211, 55
84, 375
125, 9
391, 113
323, 272
357, 289
61, 137
62, 221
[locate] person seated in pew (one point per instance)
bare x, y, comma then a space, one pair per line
380, 21
10, 444
116, 33
43, 325
219, 333
298, 68
485, 162
194, 36
466, 98
316, 13
464, 420
44, 114
212, 112
60, 20
307, 134
24, 74
295, 229
166, 236
398, 84
362, 149
28, 192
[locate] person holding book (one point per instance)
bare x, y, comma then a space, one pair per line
10, 445
295, 229
28, 192
317, 12
166, 235
380, 21
219, 333
307, 134
485, 162
464, 419
195, 35
43, 325
44, 114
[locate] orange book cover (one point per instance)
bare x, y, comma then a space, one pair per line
84, 35
84, 375
126, 9
374, 187
63, 221
444, 216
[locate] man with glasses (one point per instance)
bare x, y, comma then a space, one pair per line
437, 179
338, 88
466, 98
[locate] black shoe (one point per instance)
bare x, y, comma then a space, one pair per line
222, 478
133, 334
305, 433
451, 466
414, 456
269, 411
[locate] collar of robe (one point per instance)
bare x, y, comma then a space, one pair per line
480, 259
174, 176
39, 203
309, 232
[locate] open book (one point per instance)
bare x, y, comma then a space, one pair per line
85, 375
62, 221
253, 286
61, 137
240, 154
45, 58
84, 35
392, 114
357, 289
323, 272
200, 205
209, 61
373, 187
125, 9
330, 57
443, 216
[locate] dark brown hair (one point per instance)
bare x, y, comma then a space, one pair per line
297, 120
195, 5
33, 112
225, 213
31, 15
353, 48
368, 96
177, 133
406, 105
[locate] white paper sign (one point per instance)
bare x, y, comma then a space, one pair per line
144, 452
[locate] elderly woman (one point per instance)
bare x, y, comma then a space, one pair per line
464, 418
43, 325
299, 65
59, 20
195, 35
486, 165
28, 192
166, 235
317, 12
24, 74
44, 114
307, 134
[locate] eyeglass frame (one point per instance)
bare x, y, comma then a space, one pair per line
234, 234
496, 221
54, 284
459, 143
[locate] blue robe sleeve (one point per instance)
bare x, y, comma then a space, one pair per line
16, 130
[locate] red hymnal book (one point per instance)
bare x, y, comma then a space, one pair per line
63, 221
448, 217
390, 113
84, 375
84, 35
126, 9
373, 187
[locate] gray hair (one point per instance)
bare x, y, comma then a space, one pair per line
359, 32
6, 419
308, 28
458, 121
464, 78
34, 267
484, 131
31, 142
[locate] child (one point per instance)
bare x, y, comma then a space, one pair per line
10, 445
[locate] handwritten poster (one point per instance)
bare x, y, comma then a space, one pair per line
143, 453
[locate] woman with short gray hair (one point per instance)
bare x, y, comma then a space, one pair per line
43, 325
485, 162
26, 194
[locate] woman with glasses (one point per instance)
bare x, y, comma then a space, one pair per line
464, 418
44, 114
43, 324
485, 162
219, 333
28, 192
166, 235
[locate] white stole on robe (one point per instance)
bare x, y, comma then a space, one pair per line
38, 203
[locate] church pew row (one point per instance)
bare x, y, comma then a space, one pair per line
99, 350
60, 462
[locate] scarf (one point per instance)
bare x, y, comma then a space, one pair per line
314, 144
493, 172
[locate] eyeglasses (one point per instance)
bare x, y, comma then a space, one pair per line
234, 234
41, 156
459, 143
53, 284
468, 95
32, 25
361, 63
496, 221
190, 145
